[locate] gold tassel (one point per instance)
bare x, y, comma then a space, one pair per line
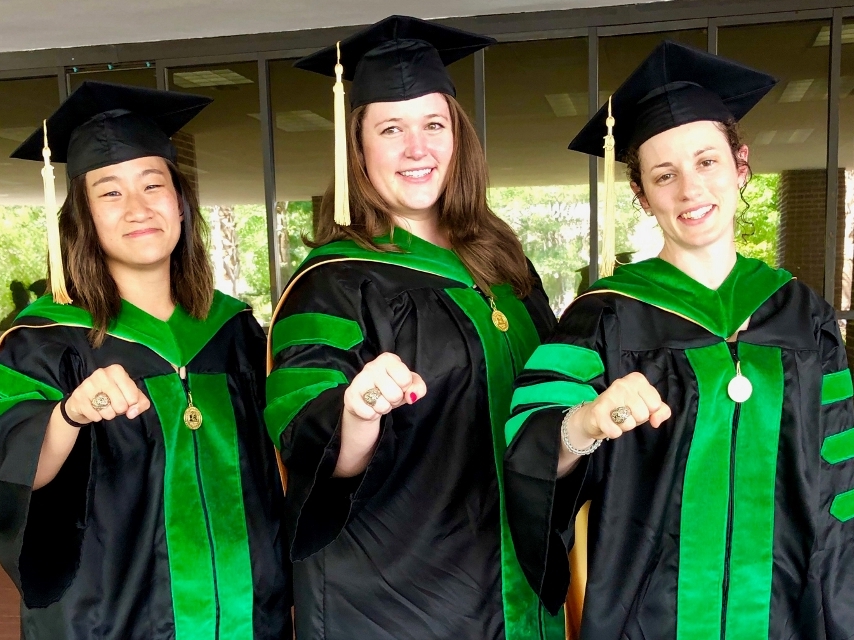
609, 239
54, 248
342, 189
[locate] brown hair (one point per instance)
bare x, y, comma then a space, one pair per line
88, 278
485, 244
734, 139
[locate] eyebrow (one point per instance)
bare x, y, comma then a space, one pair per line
698, 152
427, 117
115, 179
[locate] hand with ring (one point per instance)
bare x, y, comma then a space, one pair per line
628, 403
384, 384
107, 393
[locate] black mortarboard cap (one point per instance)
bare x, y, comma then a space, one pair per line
103, 123
675, 85
396, 59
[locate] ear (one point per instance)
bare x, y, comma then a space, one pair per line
742, 155
641, 198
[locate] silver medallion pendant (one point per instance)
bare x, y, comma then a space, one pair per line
739, 388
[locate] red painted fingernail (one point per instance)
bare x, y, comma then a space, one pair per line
413, 397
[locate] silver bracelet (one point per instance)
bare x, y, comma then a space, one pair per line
565, 436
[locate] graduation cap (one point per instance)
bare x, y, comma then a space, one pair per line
99, 125
398, 58
675, 85
102, 123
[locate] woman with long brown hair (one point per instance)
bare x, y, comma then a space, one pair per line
393, 352
701, 401
140, 496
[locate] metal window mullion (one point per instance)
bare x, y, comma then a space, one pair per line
832, 192
593, 166
712, 37
270, 196
480, 97
162, 74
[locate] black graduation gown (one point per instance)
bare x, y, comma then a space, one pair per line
150, 530
731, 520
414, 547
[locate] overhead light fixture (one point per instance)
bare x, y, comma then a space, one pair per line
765, 137
299, 121
17, 134
798, 136
785, 136
302, 120
209, 78
561, 105
795, 90
823, 37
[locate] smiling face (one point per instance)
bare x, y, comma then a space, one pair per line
691, 185
136, 214
408, 148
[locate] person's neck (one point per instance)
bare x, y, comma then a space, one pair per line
148, 290
709, 266
426, 228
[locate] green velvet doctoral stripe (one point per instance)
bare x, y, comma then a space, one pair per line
8, 403
221, 480
567, 359
522, 336
290, 389
190, 568
705, 498
751, 559
657, 282
523, 614
13, 383
415, 253
836, 386
842, 507
177, 340
64, 314
515, 423
316, 328
839, 447
559, 392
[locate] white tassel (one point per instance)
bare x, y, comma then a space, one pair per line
609, 232
342, 189
54, 247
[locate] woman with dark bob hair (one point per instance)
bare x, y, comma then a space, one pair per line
140, 496
700, 401
393, 351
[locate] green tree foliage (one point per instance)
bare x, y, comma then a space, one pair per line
552, 223
23, 250
294, 218
756, 234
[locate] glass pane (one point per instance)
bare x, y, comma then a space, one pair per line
845, 230
23, 240
787, 137
638, 236
462, 73
303, 138
220, 151
536, 101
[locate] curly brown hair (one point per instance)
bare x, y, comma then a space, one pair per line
734, 138
485, 244
88, 278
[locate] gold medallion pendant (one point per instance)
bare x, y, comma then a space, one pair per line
498, 319
192, 415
